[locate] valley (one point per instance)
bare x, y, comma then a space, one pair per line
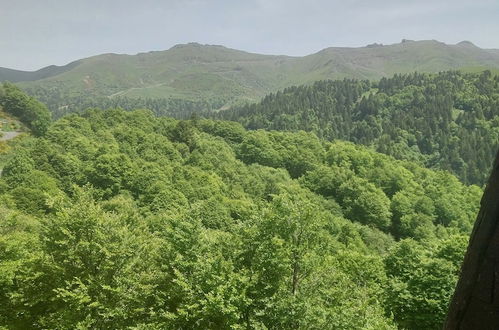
208, 188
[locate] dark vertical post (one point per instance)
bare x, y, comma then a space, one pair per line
475, 304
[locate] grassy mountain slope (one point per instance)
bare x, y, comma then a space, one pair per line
206, 72
49, 71
374, 62
188, 71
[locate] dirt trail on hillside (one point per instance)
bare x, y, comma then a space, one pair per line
9, 135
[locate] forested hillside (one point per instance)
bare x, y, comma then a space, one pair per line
448, 120
115, 219
27, 109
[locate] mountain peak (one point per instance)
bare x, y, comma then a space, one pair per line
195, 45
466, 43
374, 45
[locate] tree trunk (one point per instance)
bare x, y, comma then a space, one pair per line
475, 304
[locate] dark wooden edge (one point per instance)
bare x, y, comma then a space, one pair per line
480, 240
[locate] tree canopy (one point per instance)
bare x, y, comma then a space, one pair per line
116, 219
444, 121
29, 110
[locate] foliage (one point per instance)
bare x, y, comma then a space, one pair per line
29, 110
119, 219
444, 121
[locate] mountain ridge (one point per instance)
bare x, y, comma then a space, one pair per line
14, 75
464, 43
222, 76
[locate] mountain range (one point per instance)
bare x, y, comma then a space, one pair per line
198, 72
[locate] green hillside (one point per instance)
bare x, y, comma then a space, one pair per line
448, 120
191, 72
123, 220
49, 71
25, 108
221, 76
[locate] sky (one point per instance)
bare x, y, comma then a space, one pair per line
37, 33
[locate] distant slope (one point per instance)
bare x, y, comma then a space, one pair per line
375, 62
14, 76
191, 72
223, 76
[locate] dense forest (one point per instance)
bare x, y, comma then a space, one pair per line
114, 219
442, 121
61, 102
448, 120
29, 110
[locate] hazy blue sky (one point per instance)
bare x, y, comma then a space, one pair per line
36, 33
